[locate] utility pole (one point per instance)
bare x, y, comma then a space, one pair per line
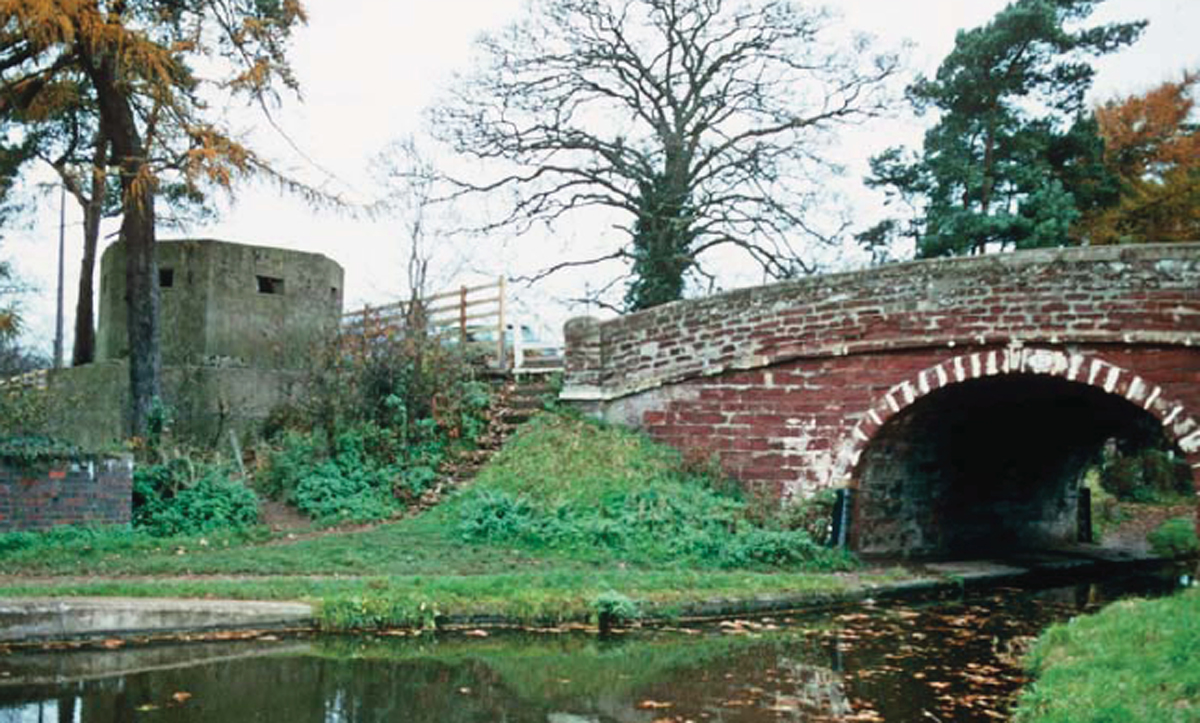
58, 318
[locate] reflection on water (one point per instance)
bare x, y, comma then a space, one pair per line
949, 661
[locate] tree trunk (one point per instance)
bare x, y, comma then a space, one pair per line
141, 302
137, 233
84, 351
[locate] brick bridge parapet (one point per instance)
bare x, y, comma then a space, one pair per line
787, 383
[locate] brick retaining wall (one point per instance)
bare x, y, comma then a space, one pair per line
65, 492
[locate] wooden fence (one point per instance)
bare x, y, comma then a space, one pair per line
474, 316
37, 379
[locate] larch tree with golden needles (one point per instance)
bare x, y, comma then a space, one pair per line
1152, 143
136, 61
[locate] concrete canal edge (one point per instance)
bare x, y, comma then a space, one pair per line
25, 620
64, 618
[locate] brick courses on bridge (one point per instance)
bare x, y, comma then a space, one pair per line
65, 492
789, 383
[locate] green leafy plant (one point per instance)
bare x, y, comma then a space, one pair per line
584, 489
30, 451
494, 515
381, 416
614, 610
1147, 475
1175, 538
24, 412
181, 498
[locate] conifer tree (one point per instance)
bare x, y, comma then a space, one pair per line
1013, 153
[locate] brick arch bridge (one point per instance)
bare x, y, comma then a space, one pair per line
961, 398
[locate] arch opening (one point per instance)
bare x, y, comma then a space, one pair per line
989, 466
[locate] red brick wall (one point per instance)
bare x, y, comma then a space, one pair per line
787, 383
83, 492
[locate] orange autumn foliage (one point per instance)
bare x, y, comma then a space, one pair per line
50, 47
1152, 143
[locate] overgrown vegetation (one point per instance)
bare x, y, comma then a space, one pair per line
1134, 661
551, 596
24, 412
587, 490
181, 498
1148, 474
1175, 538
572, 521
381, 414
1139, 478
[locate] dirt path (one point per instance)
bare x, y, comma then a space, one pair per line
1141, 521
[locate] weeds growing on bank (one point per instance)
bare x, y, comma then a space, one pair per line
642, 508
533, 597
1133, 661
1175, 538
590, 491
381, 416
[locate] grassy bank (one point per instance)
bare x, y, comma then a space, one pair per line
550, 597
571, 519
1134, 661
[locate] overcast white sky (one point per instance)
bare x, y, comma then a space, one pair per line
368, 68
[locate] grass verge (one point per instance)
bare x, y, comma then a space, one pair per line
573, 521
1134, 661
420, 601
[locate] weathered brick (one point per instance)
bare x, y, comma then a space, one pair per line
60, 496
823, 364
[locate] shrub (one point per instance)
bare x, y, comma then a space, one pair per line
381, 415
494, 515
614, 609
24, 411
773, 548
286, 463
177, 499
1146, 475
813, 515
330, 492
1175, 538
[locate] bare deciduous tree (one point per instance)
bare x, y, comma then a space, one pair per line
701, 122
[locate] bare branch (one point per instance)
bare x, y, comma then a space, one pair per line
701, 121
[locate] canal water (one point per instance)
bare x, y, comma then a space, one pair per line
948, 660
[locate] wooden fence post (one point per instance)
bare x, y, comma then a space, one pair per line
462, 316
501, 358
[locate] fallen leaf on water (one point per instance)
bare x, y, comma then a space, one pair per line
864, 716
181, 697
783, 708
476, 633
113, 643
146, 706
654, 705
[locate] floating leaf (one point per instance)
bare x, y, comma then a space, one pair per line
654, 705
